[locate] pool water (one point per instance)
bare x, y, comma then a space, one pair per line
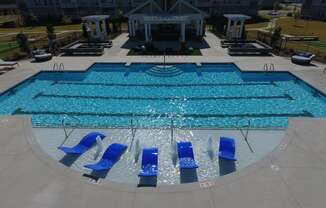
154, 96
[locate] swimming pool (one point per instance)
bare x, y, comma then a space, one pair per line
153, 96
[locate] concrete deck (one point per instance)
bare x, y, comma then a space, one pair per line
292, 176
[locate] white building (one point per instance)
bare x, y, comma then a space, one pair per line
168, 21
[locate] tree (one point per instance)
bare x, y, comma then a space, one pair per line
296, 15
51, 37
276, 6
23, 43
276, 36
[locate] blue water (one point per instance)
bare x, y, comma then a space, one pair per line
207, 96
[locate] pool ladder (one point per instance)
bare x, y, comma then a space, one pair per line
67, 133
270, 67
58, 67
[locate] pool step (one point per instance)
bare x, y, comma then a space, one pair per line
164, 71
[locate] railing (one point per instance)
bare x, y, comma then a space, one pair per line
270, 67
58, 67
133, 132
244, 130
63, 123
172, 131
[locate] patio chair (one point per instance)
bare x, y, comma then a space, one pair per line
85, 144
186, 155
149, 162
302, 58
8, 63
227, 148
111, 156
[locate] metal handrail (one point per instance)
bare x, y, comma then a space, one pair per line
172, 130
272, 67
65, 129
55, 67
245, 134
58, 67
133, 132
61, 67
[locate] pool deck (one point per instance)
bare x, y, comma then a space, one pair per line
292, 176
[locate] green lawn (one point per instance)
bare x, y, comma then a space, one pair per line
7, 46
40, 29
318, 44
303, 27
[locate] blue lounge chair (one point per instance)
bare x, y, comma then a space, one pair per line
186, 155
227, 148
85, 144
111, 155
149, 162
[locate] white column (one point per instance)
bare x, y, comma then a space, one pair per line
130, 30
197, 27
150, 32
201, 27
98, 29
228, 28
234, 29
241, 28
105, 33
183, 31
146, 33
133, 27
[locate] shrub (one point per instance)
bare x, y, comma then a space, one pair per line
23, 42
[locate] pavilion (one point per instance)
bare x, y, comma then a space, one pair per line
182, 17
97, 26
233, 30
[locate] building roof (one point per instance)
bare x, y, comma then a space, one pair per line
237, 16
8, 6
168, 18
96, 17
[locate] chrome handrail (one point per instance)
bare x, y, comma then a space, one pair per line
61, 67
55, 67
272, 67
133, 132
65, 128
172, 130
246, 133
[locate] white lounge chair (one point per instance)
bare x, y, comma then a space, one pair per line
302, 58
8, 63
43, 57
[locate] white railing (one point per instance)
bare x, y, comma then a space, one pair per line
58, 67
244, 130
270, 67
172, 130
63, 123
133, 132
